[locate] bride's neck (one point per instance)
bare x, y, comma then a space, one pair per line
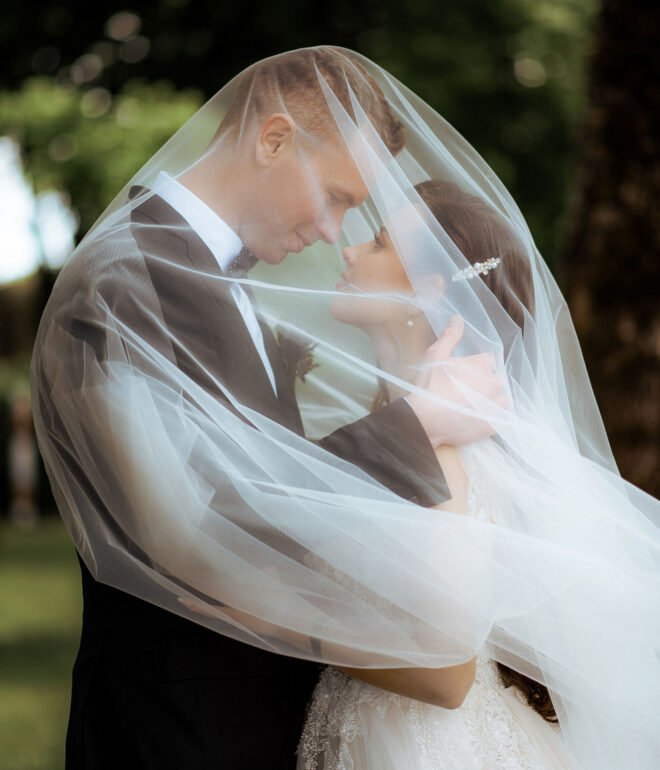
398, 354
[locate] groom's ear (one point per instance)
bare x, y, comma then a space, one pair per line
275, 137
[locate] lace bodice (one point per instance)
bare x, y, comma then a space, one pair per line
483, 728
346, 714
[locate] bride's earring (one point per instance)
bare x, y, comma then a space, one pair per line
410, 322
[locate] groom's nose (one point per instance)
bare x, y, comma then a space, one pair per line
330, 228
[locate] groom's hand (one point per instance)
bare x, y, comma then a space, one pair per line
446, 378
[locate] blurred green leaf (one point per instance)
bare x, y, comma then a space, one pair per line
69, 142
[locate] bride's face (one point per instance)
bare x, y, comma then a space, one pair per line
373, 267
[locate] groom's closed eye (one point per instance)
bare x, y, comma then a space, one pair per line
342, 197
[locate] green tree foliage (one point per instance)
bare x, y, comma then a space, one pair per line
88, 142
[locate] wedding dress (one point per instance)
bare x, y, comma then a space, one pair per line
353, 725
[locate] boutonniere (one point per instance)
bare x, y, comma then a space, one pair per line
296, 353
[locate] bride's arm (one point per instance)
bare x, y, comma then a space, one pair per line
446, 687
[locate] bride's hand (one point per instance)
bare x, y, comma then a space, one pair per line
439, 375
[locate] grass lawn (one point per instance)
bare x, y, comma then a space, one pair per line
40, 613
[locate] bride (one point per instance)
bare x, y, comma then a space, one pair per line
478, 715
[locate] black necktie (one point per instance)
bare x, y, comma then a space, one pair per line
239, 266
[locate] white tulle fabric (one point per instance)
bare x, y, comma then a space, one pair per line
353, 725
177, 487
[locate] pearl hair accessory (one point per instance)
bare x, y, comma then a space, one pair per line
478, 268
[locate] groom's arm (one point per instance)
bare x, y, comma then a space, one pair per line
391, 445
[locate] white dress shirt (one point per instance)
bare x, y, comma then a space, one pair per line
222, 242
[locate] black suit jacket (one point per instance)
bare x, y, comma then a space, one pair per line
152, 689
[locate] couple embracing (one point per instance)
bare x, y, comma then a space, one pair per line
316, 419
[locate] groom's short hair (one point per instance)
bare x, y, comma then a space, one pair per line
289, 83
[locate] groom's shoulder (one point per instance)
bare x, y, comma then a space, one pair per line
156, 226
136, 190
147, 206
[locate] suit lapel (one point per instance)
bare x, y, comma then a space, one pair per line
213, 328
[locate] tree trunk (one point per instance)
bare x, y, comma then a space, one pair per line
610, 269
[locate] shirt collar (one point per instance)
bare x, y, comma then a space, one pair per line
221, 240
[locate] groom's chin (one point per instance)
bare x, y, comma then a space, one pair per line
272, 257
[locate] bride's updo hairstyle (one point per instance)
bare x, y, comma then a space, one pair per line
482, 234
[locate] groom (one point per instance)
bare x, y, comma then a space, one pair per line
152, 689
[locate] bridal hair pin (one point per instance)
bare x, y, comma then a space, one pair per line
478, 268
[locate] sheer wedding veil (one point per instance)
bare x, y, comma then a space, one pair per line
187, 476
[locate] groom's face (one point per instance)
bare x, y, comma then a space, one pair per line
301, 196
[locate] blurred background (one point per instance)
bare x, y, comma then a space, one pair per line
561, 98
